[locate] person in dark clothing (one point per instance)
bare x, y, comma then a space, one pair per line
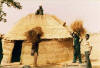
35, 47
34, 36
1, 50
76, 42
39, 11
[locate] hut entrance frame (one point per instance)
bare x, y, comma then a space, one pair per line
16, 52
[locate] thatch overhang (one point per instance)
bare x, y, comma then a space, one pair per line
52, 27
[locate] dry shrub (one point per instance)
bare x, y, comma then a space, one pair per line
33, 33
77, 26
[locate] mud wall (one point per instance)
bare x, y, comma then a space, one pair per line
50, 51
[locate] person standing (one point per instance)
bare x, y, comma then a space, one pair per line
35, 47
34, 36
1, 50
39, 11
76, 46
87, 51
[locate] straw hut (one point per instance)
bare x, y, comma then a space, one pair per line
56, 45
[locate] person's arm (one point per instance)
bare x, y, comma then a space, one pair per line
90, 48
72, 34
80, 40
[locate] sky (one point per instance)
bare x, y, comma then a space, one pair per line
67, 10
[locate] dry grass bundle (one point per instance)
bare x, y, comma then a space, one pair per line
77, 26
38, 30
33, 33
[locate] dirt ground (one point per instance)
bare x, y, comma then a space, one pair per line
46, 66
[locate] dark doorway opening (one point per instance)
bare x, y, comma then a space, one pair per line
16, 53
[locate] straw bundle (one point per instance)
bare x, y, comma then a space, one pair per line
77, 26
32, 35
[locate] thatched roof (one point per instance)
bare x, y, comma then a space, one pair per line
52, 27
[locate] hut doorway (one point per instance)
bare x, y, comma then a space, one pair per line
16, 53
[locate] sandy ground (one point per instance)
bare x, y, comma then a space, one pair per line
47, 66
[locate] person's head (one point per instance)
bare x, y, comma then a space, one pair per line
40, 7
87, 36
1, 36
77, 33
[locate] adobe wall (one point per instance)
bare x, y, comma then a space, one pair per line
50, 51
